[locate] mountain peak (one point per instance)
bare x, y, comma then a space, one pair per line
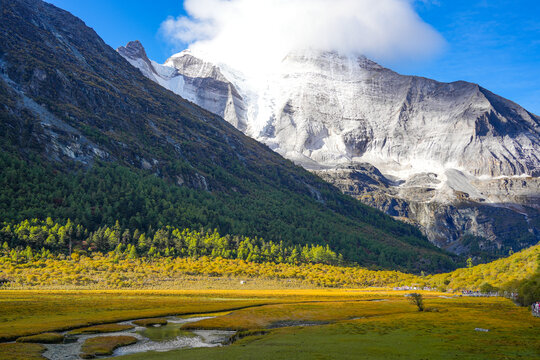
189, 65
134, 50
323, 58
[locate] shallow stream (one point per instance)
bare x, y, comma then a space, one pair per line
155, 338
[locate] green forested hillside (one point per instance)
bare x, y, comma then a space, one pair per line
107, 193
85, 136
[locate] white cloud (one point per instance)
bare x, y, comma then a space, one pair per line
244, 33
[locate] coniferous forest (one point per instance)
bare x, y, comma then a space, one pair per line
110, 194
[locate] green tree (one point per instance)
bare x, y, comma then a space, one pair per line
28, 253
142, 242
418, 300
133, 253
126, 237
294, 258
487, 288
529, 290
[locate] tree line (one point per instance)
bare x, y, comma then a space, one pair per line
34, 238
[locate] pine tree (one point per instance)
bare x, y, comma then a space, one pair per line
28, 253
142, 243
294, 257
133, 253
126, 237
14, 255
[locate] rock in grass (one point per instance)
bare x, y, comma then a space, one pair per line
104, 345
101, 329
45, 338
150, 322
481, 330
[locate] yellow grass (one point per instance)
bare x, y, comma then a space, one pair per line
104, 345
299, 313
388, 330
21, 351
44, 338
101, 329
29, 312
498, 273
109, 272
345, 313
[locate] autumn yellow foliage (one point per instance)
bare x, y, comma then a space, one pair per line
109, 271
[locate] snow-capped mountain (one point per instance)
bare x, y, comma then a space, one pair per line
443, 155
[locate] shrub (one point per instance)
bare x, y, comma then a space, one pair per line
418, 300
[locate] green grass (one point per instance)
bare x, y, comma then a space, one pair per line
354, 327
31, 312
353, 342
298, 313
447, 334
104, 345
44, 338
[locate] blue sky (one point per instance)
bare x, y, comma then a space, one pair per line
494, 43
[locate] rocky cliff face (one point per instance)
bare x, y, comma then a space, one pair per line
460, 223
456, 158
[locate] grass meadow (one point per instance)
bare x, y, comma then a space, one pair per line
289, 324
280, 311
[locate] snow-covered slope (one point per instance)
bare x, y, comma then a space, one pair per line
437, 144
166, 76
194, 80
332, 109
